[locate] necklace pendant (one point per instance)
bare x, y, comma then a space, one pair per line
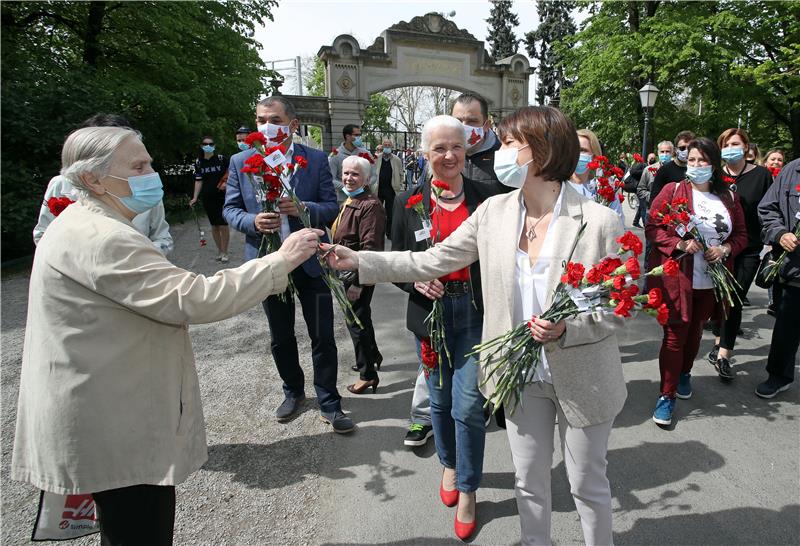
531, 235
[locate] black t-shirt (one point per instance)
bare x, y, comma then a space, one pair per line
210, 171
671, 172
751, 187
385, 176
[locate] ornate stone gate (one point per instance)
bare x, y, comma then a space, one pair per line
428, 50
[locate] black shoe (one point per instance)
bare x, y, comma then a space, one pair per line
637, 224
745, 302
724, 369
487, 415
418, 435
712, 356
771, 387
288, 408
340, 422
354, 367
771, 310
378, 362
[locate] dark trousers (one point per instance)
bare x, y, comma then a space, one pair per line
387, 198
682, 341
641, 213
364, 344
135, 515
317, 304
785, 333
745, 267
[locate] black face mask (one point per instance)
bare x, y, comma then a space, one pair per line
750, 161
651, 161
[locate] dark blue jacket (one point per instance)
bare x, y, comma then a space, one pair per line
313, 185
778, 211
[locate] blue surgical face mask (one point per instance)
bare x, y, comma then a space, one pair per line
354, 192
583, 163
732, 155
665, 158
387, 151
357, 142
243, 146
208, 148
146, 192
699, 175
682, 155
506, 168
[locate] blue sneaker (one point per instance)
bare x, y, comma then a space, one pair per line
664, 408
685, 386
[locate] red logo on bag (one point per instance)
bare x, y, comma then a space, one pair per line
78, 507
64, 524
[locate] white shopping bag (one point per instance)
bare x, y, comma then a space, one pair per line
64, 517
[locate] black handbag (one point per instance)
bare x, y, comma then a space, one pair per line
761, 277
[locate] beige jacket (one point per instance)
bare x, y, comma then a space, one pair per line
109, 395
585, 362
397, 173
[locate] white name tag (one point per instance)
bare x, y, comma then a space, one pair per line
797, 215
580, 301
422, 234
275, 159
680, 230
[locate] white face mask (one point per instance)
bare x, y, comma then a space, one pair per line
474, 135
506, 168
275, 134
683, 155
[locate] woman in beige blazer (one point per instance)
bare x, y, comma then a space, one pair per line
521, 239
109, 401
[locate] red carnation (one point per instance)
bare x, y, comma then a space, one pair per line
593, 165
594, 276
58, 204
257, 136
429, 356
638, 158
619, 282
670, 267
335, 151
680, 202
444, 186
631, 290
774, 171
624, 306
608, 265
654, 298
728, 179
797, 188
621, 197
300, 161
414, 200
573, 275
652, 170
663, 314
367, 156
666, 220
632, 267
630, 243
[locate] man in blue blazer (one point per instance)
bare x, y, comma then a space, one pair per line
277, 120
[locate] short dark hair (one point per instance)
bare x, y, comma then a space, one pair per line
349, 128
288, 107
466, 98
711, 152
551, 137
106, 120
243, 130
684, 135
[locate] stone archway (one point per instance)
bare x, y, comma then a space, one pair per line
428, 50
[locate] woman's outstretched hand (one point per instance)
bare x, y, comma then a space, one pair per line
340, 257
300, 246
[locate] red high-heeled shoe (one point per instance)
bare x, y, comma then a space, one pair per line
449, 498
465, 530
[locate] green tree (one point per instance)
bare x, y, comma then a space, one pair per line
177, 70
315, 80
376, 119
555, 25
501, 29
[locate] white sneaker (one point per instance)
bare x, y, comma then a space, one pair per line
218, 258
223, 258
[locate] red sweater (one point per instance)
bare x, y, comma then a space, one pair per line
677, 291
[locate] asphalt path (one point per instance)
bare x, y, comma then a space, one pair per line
725, 473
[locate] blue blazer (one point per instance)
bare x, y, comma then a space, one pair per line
313, 185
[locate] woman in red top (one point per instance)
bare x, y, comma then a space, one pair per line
689, 295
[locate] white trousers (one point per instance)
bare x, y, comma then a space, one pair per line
530, 433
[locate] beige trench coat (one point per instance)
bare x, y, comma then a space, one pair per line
585, 362
109, 395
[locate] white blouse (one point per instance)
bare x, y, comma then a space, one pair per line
714, 224
530, 292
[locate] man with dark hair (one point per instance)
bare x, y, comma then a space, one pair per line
473, 113
351, 145
675, 170
243, 211
151, 223
241, 135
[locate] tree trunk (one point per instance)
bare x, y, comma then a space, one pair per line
94, 26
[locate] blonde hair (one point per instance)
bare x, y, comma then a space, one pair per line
91, 150
594, 142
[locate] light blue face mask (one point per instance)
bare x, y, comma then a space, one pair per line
699, 175
208, 148
732, 155
583, 163
146, 192
357, 142
243, 146
665, 158
387, 151
353, 193
506, 168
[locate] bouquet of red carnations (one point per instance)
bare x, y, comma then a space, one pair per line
676, 214
607, 287
435, 320
610, 184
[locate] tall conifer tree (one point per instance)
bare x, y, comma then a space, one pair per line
501, 29
555, 24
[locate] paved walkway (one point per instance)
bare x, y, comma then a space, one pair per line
726, 473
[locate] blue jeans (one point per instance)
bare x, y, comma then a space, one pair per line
457, 406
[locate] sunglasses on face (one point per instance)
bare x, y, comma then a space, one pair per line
208, 143
682, 148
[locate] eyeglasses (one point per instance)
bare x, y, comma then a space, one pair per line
208, 143
682, 148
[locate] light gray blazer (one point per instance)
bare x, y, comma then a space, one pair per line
584, 363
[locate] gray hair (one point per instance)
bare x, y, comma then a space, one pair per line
288, 107
666, 143
438, 122
390, 139
359, 163
91, 150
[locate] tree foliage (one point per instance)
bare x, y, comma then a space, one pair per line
717, 65
501, 29
555, 25
315, 79
177, 70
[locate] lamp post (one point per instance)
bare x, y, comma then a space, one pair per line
647, 95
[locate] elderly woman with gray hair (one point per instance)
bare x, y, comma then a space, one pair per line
361, 225
109, 401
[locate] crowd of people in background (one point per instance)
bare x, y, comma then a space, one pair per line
528, 178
